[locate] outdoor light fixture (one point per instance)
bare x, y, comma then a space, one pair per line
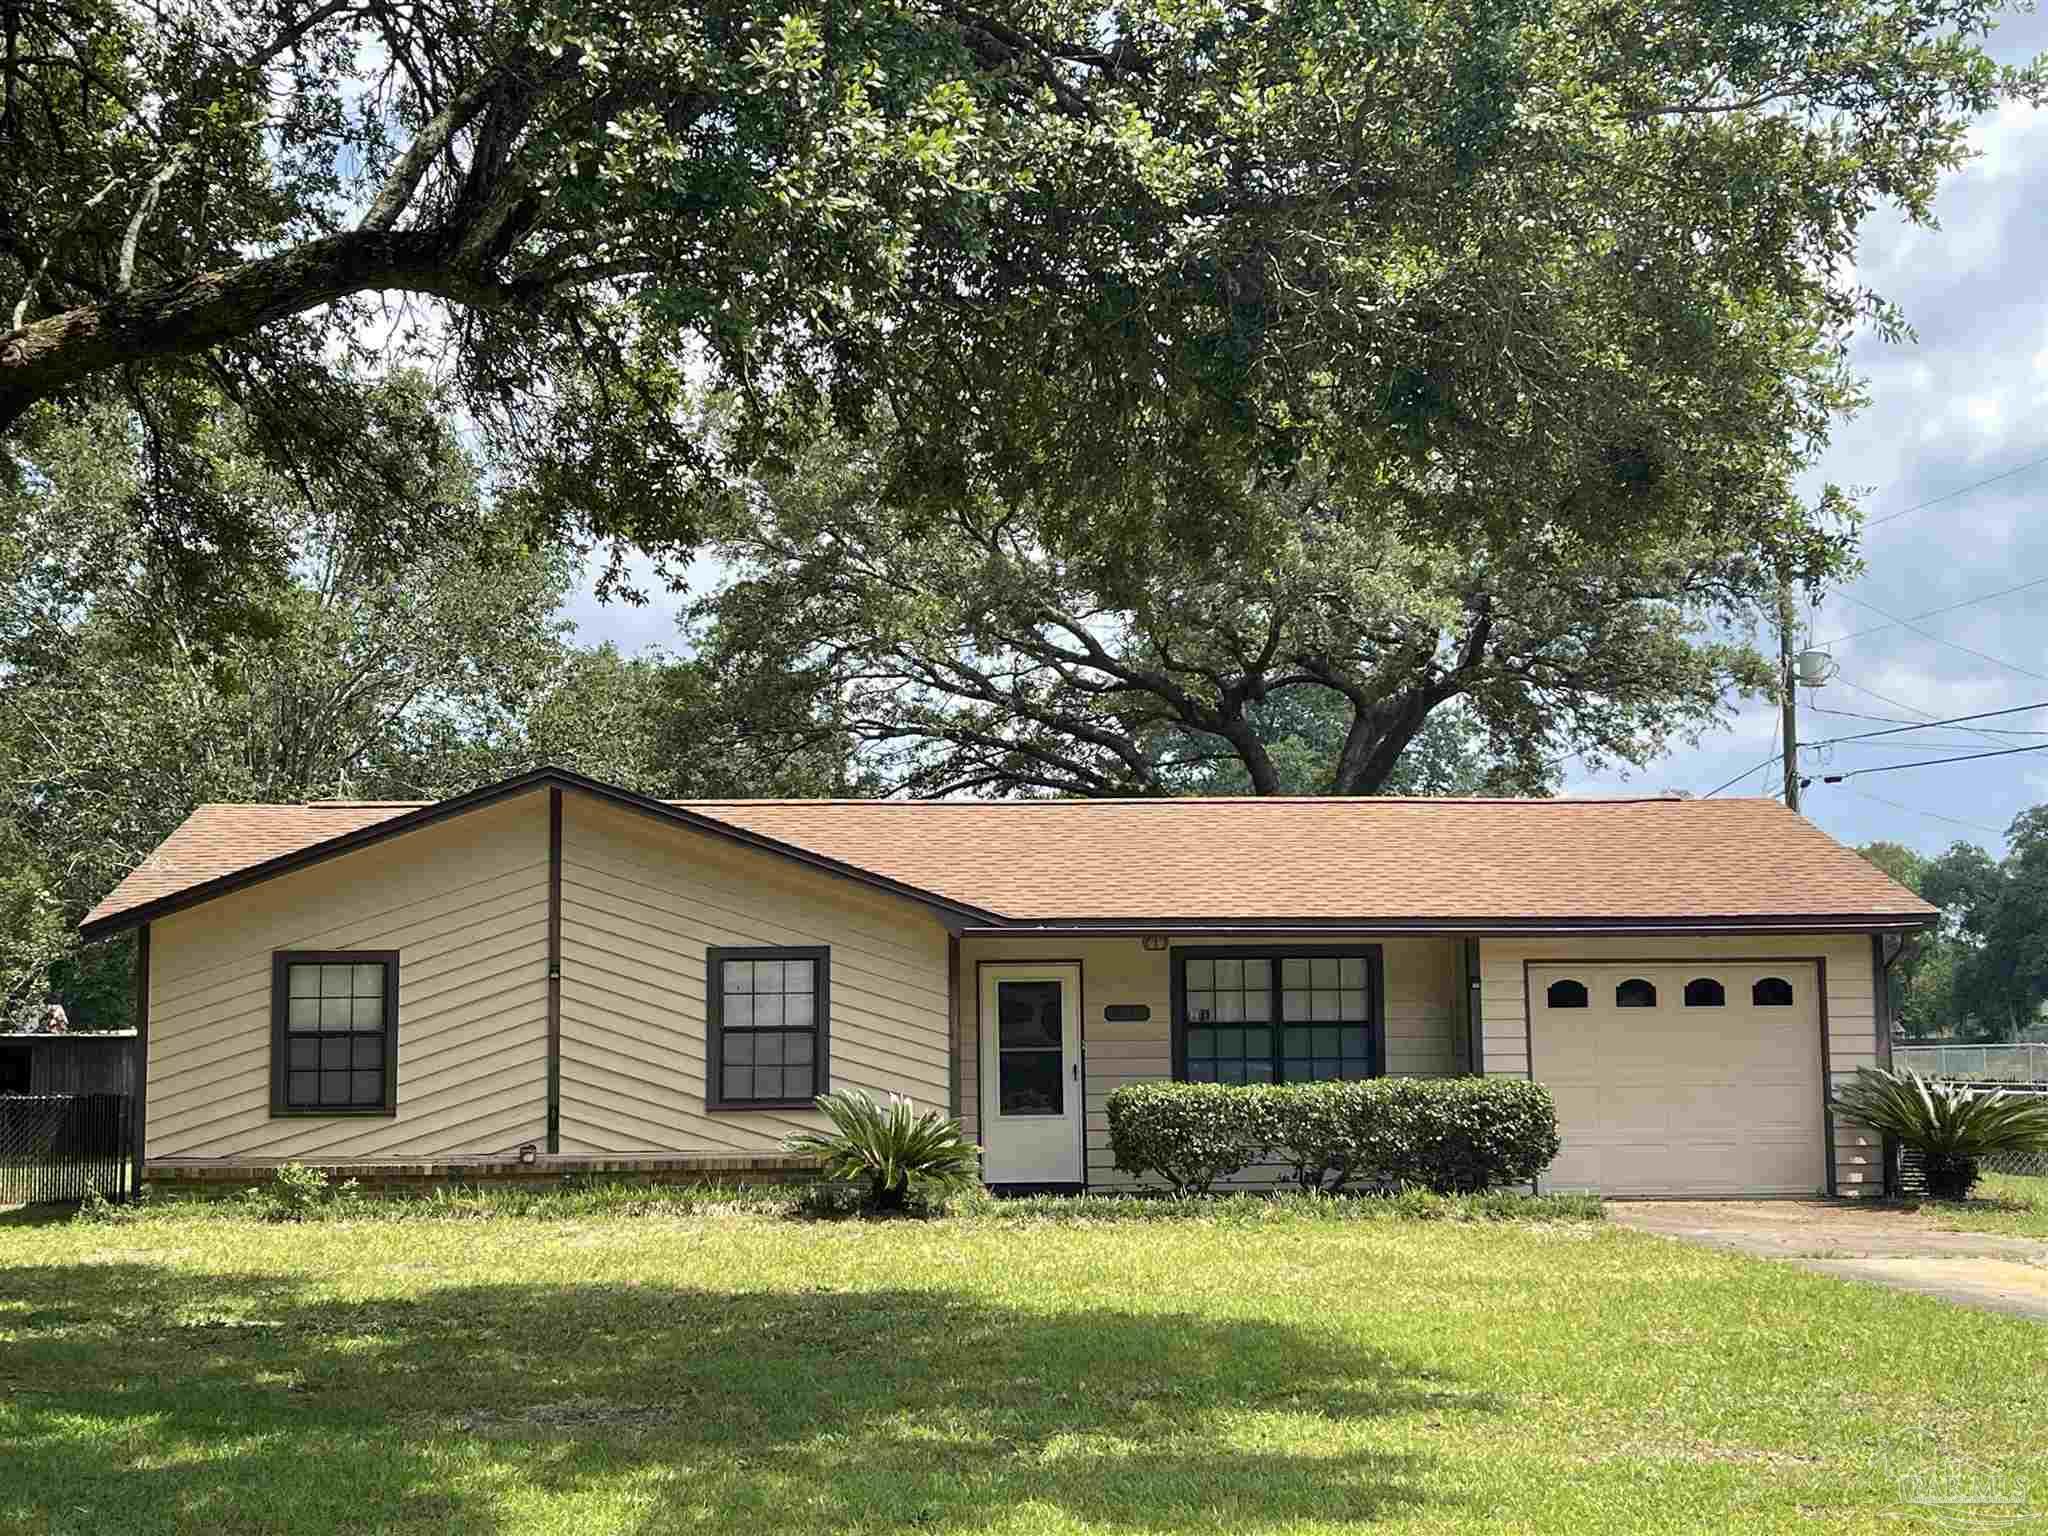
528, 1152
1155, 941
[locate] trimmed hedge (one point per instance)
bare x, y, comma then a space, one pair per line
1458, 1135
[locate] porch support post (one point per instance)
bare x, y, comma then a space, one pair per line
953, 1025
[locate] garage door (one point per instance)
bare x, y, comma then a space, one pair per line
1681, 1079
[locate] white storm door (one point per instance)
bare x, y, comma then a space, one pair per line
1033, 1108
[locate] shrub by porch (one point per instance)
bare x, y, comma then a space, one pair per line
1451, 1135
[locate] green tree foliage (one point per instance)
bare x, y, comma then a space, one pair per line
1999, 909
31, 928
1982, 975
341, 653
989, 647
1584, 269
1922, 976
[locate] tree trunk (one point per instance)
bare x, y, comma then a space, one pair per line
1374, 744
1949, 1177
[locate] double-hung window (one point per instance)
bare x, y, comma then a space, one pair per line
768, 1015
1277, 1015
334, 1032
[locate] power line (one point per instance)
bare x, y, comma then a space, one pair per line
1968, 602
1927, 715
1974, 826
1850, 714
1777, 735
1742, 775
1975, 485
1953, 645
1890, 746
1932, 762
1903, 726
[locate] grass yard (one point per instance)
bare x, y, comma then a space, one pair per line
1256, 1369
2003, 1202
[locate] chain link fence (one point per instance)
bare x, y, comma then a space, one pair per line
2029, 1164
56, 1146
1908, 1176
2023, 1063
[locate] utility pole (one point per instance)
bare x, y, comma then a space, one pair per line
1788, 678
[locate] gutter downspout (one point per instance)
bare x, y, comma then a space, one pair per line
554, 970
140, 1071
1475, 1024
1881, 964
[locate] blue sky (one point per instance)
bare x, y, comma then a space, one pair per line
1967, 401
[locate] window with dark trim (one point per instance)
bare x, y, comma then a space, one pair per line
1276, 1015
1635, 993
1771, 992
1566, 994
1705, 992
767, 1026
334, 1032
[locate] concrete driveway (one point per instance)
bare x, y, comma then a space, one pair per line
1888, 1245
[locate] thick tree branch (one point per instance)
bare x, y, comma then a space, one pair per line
186, 317
403, 183
146, 205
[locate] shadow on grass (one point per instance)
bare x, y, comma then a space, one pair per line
140, 1400
44, 1214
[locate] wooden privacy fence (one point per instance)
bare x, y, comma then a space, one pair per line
56, 1146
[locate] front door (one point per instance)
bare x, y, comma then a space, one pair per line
1032, 1097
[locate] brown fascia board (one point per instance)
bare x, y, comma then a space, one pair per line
955, 912
1123, 927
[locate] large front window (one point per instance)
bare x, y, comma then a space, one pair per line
1276, 1016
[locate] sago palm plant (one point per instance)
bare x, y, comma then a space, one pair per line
895, 1149
1951, 1126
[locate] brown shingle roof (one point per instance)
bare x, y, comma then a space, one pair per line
218, 840
1265, 860
1347, 858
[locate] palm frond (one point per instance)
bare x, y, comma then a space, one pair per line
895, 1148
1952, 1125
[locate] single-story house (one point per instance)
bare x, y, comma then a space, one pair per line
564, 967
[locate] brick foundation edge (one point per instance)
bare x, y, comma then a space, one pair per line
206, 1181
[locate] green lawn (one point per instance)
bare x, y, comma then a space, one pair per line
2003, 1203
1261, 1369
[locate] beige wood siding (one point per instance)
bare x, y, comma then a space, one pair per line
1422, 1033
642, 900
463, 901
1851, 1009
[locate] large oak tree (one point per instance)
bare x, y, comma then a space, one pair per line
985, 647
1478, 261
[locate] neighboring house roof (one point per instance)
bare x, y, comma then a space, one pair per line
1481, 864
